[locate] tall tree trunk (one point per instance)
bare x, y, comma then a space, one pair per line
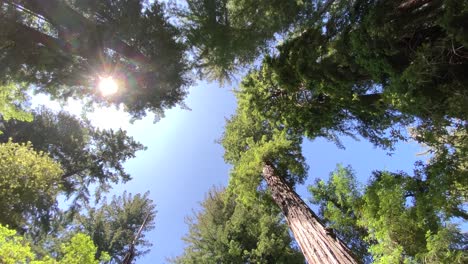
318, 244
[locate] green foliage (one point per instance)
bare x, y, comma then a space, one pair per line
229, 34
114, 225
414, 54
398, 218
29, 184
63, 48
366, 68
250, 142
81, 249
225, 231
110, 226
340, 201
316, 108
11, 97
87, 155
437, 250
14, 249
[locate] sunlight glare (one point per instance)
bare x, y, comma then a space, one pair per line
107, 86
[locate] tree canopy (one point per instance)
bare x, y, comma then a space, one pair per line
86, 154
225, 231
78, 250
113, 225
250, 142
382, 70
29, 185
348, 76
227, 35
369, 69
396, 217
63, 48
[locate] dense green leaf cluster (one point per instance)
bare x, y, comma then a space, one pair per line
12, 96
229, 34
29, 184
63, 48
225, 231
78, 250
377, 69
250, 142
87, 155
396, 218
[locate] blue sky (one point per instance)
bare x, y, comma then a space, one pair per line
183, 161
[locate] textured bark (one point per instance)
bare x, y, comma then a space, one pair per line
318, 244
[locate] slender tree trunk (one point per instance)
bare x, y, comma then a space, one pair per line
318, 244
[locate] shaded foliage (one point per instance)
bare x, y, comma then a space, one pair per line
367, 68
64, 47
329, 111
225, 231
227, 35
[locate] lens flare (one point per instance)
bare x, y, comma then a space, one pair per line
107, 86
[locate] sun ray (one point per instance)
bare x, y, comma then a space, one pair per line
108, 86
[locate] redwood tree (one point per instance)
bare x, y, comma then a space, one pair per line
260, 152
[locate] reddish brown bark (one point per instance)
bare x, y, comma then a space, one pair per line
318, 245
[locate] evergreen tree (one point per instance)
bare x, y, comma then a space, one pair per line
397, 218
86, 154
225, 231
29, 185
227, 35
340, 201
111, 226
78, 250
367, 68
260, 150
114, 225
331, 111
64, 47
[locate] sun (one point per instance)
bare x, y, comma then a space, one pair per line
107, 85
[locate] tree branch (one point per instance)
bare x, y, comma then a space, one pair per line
63, 16
22, 32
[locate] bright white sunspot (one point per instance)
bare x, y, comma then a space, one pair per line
107, 85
